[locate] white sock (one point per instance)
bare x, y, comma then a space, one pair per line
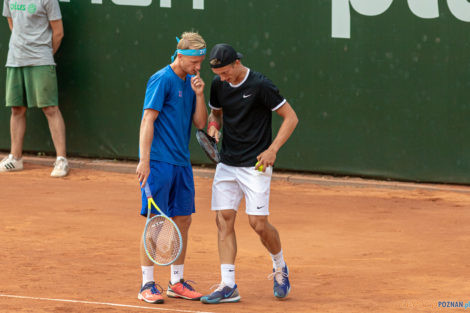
61, 157
147, 274
278, 260
177, 272
228, 274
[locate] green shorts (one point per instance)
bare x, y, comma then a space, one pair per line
34, 86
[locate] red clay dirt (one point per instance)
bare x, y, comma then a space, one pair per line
349, 249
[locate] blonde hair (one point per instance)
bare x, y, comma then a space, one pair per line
191, 40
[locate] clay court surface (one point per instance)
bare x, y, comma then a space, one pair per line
349, 248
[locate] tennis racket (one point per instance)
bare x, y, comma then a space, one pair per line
209, 145
162, 238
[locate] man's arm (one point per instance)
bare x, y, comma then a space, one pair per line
145, 144
216, 118
200, 114
268, 157
10, 23
57, 34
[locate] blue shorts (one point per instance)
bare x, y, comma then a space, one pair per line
172, 188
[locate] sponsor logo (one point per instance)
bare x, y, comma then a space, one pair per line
246, 96
341, 15
226, 295
32, 8
197, 4
17, 7
453, 304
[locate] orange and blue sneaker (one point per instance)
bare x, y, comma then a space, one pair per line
281, 281
184, 290
223, 294
150, 294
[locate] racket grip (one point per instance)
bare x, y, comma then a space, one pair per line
148, 193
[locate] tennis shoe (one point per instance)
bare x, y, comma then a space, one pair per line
10, 164
183, 289
280, 276
61, 167
223, 294
150, 294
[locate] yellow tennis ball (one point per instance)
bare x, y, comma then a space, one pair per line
260, 168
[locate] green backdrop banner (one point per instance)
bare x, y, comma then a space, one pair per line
381, 87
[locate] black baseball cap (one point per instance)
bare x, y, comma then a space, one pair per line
223, 54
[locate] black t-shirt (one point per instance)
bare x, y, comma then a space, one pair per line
247, 115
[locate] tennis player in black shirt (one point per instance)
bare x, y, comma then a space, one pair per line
242, 102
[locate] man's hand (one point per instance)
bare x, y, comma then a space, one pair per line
266, 158
213, 132
143, 172
197, 84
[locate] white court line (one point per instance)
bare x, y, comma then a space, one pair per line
101, 303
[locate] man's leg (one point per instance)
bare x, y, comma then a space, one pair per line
181, 206
148, 292
14, 98
178, 287
226, 197
256, 188
17, 130
227, 291
57, 128
269, 237
183, 223
226, 238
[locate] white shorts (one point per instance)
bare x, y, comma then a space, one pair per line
231, 183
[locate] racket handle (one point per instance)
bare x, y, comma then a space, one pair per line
148, 193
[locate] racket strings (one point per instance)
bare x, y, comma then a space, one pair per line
162, 240
209, 145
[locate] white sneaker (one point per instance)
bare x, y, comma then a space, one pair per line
61, 167
10, 164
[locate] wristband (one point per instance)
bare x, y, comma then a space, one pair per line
215, 124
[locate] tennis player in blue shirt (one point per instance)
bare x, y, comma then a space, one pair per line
173, 101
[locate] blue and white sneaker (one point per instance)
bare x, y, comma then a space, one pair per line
223, 294
281, 282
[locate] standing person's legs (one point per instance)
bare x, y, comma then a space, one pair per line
172, 189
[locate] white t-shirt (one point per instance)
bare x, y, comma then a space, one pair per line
31, 38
